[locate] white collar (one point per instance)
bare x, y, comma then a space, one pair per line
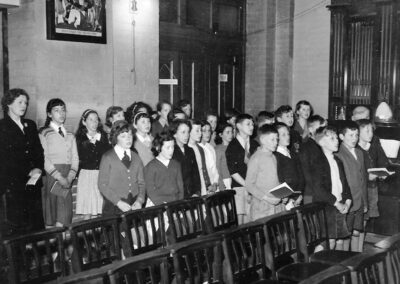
56, 127
284, 151
120, 152
142, 139
165, 162
94, 138
242, 141
367, 146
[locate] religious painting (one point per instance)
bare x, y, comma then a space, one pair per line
76, 20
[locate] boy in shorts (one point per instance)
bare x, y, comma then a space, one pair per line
356, 174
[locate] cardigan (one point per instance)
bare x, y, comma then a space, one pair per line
116, 181
356, 176
289, 171
90, 153
59, 150
222, 165
235, 159
20, 153
163, 183
190, 170
144, 152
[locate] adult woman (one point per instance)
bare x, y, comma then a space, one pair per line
303, 111
22, 160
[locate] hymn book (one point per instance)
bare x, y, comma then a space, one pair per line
380, 172
282, 191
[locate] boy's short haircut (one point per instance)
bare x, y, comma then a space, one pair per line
283, 109
279, 125
229, 113
363, 122
211, 113
263, 115
117, 128
267, 129
194, 122
348, 125
324, 131
315, 118
182, 103
241, 117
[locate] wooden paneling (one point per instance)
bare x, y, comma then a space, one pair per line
199, 49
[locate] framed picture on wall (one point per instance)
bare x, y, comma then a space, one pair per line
76, 20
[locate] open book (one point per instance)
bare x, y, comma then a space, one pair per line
380, 172
283, 190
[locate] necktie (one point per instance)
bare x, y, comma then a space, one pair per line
126, 161
247, 152
204, 167
60, 131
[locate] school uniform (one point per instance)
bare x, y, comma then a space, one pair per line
190, 170
237, 164
289, 169
143, 147
120, 182
88, 197
60, 160
309, 154
163, 181
157, 128
225, 180
20, 151
321, 168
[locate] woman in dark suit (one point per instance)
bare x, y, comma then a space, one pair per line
21, 159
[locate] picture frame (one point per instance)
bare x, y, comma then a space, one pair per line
76, 20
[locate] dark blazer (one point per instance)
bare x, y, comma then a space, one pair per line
235, 158
356, 175
20, 152
310, 153
289, 171
190, 170
323, 185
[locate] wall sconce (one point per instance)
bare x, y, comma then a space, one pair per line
132, 6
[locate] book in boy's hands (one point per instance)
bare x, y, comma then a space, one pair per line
380, 172
59, 190
282, 191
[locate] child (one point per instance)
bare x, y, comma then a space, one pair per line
180, 129
61, 163
331, 186
374, 157
309, 153
184, 105
262, 175
194, 140
230, 116
265, 117
289, 168
121, 179
163, 109
92, 143
303, 112
356, 175
176, 114
285, 114
224, 137
210, 156
113, 114
142, 125
163, 175
212, 119
135, 108
237, 156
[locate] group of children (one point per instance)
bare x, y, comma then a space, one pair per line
141, 158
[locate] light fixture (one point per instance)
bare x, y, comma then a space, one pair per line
132, 6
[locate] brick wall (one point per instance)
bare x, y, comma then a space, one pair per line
85, 75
